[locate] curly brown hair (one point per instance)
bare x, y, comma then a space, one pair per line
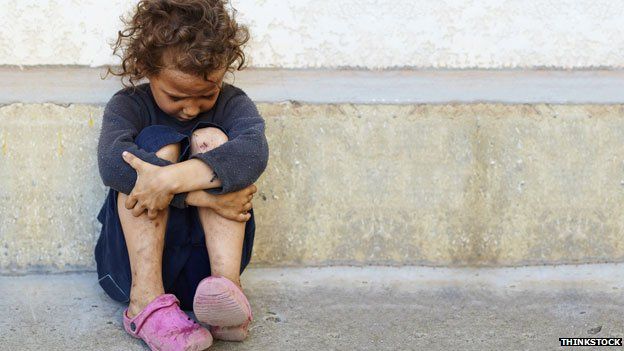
194, 36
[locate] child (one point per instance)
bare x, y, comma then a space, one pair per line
178, 224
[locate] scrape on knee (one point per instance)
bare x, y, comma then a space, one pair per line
206, 139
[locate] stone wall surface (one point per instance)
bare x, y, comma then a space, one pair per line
440, 185
370, 34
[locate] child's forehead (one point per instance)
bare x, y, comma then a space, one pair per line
188, 83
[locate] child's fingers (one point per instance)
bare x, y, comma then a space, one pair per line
251, 189
137, 210
244, 217
231, 216
152, 214
132, 160
130, 201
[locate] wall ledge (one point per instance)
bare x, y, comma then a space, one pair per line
75, 84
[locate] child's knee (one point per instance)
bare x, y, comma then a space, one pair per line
169, 152
206, 139
152, 137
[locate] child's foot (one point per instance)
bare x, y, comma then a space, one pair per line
163, 326
221, 304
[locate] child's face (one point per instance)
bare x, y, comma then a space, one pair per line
184, 96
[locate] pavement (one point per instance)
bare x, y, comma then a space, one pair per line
348, 308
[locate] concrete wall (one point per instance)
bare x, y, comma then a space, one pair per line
453, 184
368, 34
371, 166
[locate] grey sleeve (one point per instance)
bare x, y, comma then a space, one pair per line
241, 160
121, 123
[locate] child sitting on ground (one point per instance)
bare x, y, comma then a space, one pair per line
180, 155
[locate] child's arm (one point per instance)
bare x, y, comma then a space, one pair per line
232, 166
228, 168
237, 163
121, 123
230, 205
153, 191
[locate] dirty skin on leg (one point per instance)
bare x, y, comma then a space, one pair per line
222, 218
227, 311
224, 237
145, 240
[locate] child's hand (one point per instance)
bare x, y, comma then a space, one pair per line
235, 205
150, 191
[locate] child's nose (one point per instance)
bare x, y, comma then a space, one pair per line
191, 110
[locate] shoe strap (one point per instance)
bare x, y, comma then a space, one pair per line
134, 325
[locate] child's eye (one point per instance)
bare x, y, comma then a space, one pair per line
173, 98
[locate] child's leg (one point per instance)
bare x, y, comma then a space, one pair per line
145, 241
224, 237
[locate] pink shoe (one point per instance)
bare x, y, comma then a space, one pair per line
163, 326
221, 304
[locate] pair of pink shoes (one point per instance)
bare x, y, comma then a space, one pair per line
218, 302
